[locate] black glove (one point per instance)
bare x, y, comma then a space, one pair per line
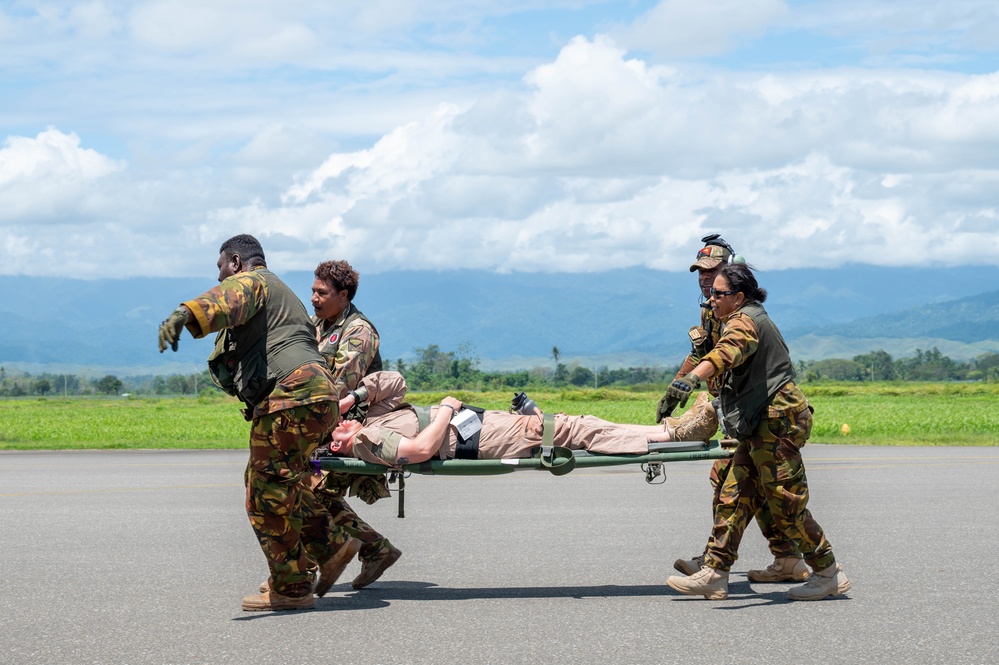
666, 406
681, 388
170, 329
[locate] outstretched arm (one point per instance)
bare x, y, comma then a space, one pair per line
426, 444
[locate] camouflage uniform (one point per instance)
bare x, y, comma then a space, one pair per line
351, 352
710, 332
766, 468
287, 424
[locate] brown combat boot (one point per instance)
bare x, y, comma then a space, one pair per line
707, 582
373, 569
265, 586
275, 602
330, 571
699, 423
783, 569
689, 566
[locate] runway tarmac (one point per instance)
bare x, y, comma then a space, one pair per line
139, 557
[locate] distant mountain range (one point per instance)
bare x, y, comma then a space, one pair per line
619, 318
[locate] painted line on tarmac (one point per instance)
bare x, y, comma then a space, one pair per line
122, 489
879, 463
123, 465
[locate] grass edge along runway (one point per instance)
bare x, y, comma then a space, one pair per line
890, 414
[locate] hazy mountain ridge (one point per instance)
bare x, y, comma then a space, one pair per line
969, 320
624, 317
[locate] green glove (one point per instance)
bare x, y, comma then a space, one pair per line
170, 329
666, 406
681, 388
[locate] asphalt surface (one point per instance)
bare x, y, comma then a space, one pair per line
143, 557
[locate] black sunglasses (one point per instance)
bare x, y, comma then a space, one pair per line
715, 293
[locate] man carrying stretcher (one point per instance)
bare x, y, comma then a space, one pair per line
393, 434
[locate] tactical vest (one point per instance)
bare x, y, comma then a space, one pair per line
712, 330
749, 388
334, 346
250, 359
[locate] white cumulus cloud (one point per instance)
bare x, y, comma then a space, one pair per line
50, 175
604, 161
612, 150
676, 28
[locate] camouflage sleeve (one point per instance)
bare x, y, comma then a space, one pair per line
738, 341
689, 363
353, 357
232, 303
386, 391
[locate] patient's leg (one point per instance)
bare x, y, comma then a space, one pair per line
699, 423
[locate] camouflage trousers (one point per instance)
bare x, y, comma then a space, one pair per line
767, 469
374, 544
295, 531
779, 544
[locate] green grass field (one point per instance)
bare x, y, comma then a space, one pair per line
897, 414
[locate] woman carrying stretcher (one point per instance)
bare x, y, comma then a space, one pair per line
391, 433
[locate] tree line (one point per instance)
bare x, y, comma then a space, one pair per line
929, 365
437, 370
22, 384
433, 369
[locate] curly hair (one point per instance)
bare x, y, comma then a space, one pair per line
340, 275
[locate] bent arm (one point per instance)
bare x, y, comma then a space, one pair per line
739, 340
385, 392
427, 443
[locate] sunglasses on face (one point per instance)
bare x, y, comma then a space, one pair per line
715, 293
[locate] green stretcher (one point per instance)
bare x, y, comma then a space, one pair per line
554, 459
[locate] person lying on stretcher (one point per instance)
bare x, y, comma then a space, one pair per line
391, 432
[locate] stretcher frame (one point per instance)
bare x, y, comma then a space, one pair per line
554, 459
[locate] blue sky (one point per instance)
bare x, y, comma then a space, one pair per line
522, 135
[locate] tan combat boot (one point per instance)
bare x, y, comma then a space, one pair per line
783, 569
825, 583
689, 566
275, 602
373, 569
698, 424
265, 586
330, 571
707, 582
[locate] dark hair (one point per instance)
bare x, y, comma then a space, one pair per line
741, 279
340, 275
246, 247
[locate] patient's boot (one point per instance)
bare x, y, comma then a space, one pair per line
699, 423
